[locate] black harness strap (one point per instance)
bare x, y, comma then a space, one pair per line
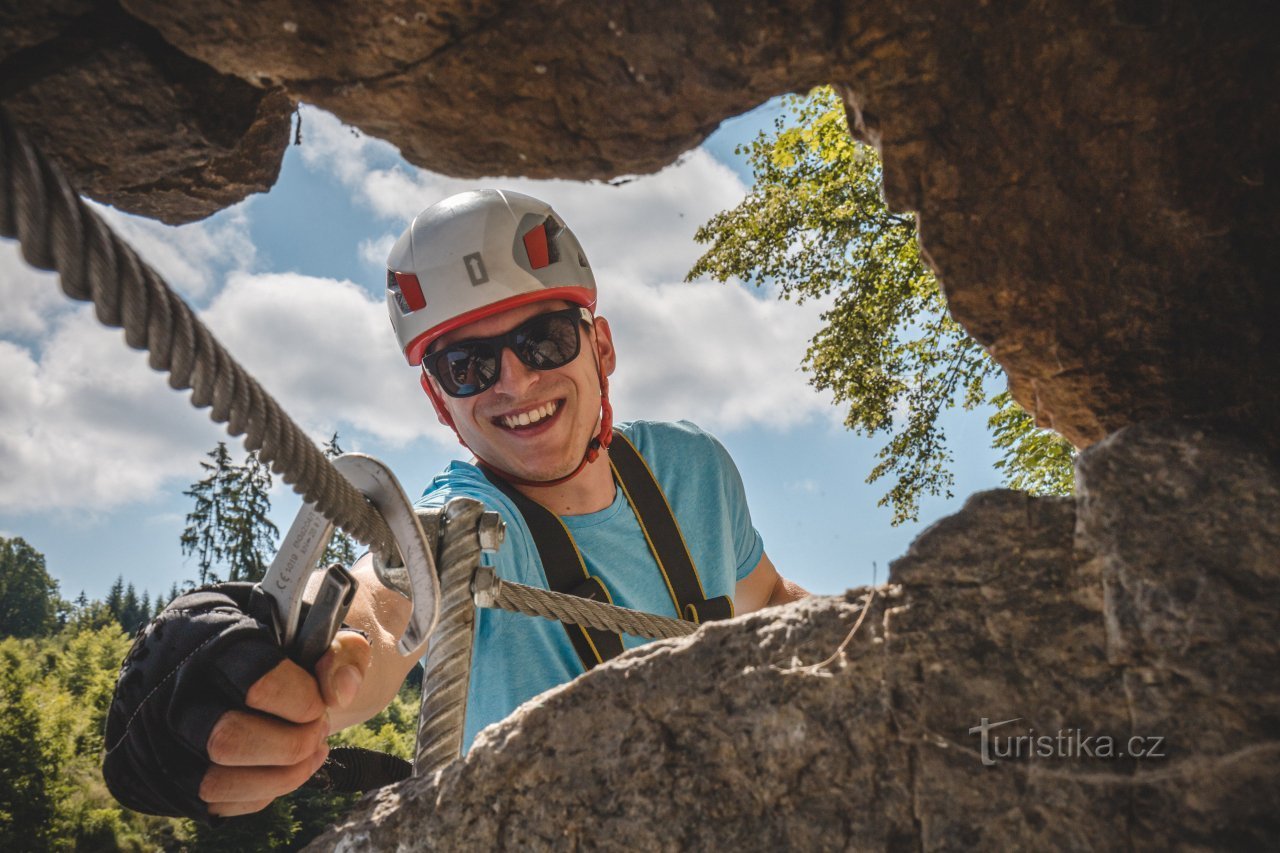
663, 535
566, 571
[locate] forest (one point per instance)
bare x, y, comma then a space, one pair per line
58, 665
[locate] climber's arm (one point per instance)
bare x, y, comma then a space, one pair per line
764, 587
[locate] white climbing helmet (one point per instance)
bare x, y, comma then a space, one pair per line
476, 254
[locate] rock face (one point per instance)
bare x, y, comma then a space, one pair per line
1096, 185
1095, 181
1142, 612
136, 122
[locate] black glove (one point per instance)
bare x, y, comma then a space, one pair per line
194, 662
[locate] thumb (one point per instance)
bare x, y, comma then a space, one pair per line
340, 672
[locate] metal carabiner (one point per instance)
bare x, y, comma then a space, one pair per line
281, 589
297, 561
416, 576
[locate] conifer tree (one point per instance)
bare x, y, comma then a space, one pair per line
115, 598
250, 536
341, 548
228, 528
203, 533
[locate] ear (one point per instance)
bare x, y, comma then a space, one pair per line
604, 346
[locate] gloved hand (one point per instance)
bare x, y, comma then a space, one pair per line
190, 688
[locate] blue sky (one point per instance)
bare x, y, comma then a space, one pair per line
96, 450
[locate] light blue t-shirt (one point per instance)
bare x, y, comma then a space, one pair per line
516, 657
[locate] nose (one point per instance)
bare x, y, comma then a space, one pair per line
515, 377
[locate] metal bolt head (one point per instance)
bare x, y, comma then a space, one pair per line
492, 531
484, 586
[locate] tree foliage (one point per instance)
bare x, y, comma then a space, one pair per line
228, 527
815, 224
1034, 460
54, 695
29, 603
341, 548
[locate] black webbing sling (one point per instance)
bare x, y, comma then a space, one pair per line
566, 571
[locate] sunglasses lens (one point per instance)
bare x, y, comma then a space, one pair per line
466, 369
547, 341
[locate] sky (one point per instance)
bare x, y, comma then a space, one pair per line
96, 450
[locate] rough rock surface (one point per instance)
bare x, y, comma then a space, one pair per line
1145, 608
135, 122
1096, 181
578, 89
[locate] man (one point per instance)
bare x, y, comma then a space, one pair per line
491, 294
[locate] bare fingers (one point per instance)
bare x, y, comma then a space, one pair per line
289, 692
341, 671
242, 739
233, 791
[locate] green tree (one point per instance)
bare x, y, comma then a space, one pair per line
86, 615
815, 224
122, 603
29, 602
27, 801
341, 548
115, 597
229, 527
54, 696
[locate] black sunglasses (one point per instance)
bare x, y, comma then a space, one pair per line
544, 342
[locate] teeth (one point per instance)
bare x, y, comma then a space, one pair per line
546, 410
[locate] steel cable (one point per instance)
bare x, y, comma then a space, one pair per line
561, 607
58, 231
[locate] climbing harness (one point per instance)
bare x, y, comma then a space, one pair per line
567, 573
431, 557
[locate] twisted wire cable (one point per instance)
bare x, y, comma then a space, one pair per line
59, 232
446, 676
560, 607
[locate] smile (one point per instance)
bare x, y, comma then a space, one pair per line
526, 419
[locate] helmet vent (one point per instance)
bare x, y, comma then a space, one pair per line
407, 291
540, 243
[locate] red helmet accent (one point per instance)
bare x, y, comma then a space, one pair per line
535, 245
417, 348
475, 255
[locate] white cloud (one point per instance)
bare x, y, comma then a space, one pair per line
330, 147
192, 258
642, 228
374, 251
806, 486
325, 349
85, 423
31, 297
713, 354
